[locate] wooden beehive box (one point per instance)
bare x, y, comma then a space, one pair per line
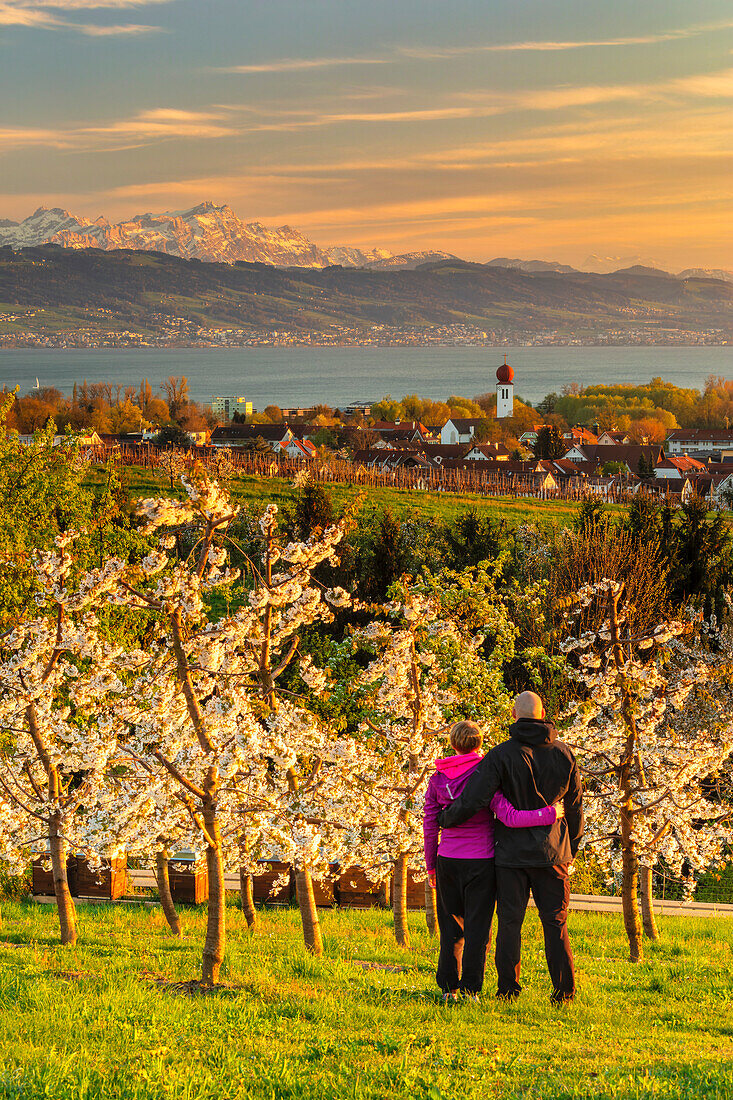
354, 890
109, 882
189, 880
324, 895
43, 880
415, 891
262, 883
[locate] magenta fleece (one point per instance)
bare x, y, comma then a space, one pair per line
473, 839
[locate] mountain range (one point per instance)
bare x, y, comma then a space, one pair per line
205, 232
216, 234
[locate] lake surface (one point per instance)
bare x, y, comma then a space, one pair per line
338, 376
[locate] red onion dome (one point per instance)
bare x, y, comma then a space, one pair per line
505, 374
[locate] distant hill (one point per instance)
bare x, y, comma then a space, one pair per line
530, 265
142, 291
606, 265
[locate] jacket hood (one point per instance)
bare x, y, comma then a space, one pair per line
533, 731
453, 766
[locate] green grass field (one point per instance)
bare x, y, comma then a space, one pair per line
106, 1020
140, 482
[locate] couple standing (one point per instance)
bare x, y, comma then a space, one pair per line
494, 828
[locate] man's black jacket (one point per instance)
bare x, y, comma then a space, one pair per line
532, 769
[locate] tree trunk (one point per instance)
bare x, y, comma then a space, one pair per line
56, 842
246, 897
431, 909
308, 911
164, 892
216, 921
630, 863
630, 888
384, 893
399, 901
64, 901
647, 902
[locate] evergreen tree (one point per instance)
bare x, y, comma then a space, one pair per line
646, 467
643, 518
472, 538
700, 555
550, 443
591, 515
313, 510
385, 559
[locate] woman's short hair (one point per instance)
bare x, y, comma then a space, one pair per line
466, 736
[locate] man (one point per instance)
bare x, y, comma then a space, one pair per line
532, 769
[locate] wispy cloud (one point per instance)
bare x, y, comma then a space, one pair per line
95, 30
429, 53
718, 85
163, 122
298, 64
439, 53
157, 124
25, 137
46, 15
488, 103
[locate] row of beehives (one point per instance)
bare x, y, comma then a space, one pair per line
189, 884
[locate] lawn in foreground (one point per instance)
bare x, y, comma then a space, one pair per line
104, 1020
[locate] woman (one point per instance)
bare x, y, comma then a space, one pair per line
460, 864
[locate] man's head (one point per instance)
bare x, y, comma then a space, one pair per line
466, 737
528, 705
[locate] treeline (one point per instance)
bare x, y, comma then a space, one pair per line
644, 413
114, 409
642, 408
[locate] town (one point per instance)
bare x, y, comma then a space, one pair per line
177, 332
493, 444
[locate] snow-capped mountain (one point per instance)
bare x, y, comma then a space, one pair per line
205, 232
39, 227
707, 273
356, 257
410, 260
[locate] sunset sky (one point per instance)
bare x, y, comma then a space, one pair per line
531, 128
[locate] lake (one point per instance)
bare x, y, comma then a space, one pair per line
338, 376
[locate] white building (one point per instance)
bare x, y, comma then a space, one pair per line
504, 391
225, 407
459, 429
683, 440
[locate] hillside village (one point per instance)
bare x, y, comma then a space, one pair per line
629, 438
689, 462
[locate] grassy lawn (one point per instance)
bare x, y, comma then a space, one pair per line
104, 1019
258, 490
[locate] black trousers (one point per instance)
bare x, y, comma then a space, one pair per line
466, 888
551, 892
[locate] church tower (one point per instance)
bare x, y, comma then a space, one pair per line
504, 391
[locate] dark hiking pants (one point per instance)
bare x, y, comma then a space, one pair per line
551, 892
466, 888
